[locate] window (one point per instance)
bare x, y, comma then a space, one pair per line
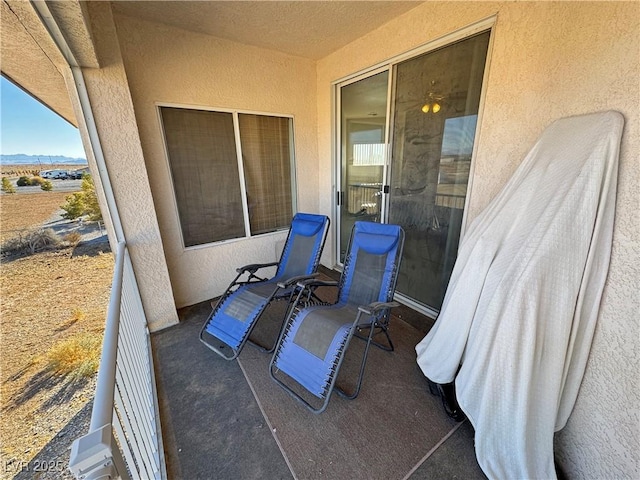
232, 172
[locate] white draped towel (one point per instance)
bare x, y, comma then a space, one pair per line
522, 303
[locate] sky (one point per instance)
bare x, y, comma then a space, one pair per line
27, 126
458, 136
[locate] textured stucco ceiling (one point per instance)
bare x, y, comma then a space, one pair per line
30, 58
311, 29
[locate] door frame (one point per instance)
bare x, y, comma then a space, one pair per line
484, 25
337, 151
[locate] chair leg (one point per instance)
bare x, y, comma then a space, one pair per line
287, 313
369, 341
383, 329
259, 346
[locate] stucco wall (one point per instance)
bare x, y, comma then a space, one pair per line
115, 120
548, 60
169, 65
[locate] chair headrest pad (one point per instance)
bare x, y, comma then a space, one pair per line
308, 226
376, 244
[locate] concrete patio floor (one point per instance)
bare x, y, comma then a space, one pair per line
215, 426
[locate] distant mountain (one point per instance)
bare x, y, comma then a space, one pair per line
44, 160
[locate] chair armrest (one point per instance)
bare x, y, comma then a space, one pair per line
254, 267
296, 280
317, 283
375, 307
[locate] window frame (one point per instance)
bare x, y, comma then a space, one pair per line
240, 165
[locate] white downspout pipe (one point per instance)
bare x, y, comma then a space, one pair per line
42, 9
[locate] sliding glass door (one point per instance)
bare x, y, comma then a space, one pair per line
421, 183
436, 101
363, 127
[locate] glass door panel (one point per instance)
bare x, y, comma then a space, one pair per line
363, 124
435, 109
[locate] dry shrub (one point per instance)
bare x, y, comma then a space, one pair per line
7, 186
78, 356
73, 238
37, 180
31, 242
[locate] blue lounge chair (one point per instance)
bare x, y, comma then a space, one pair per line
238, 310
313, 343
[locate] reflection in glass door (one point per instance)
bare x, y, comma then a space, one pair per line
363, 126
434, 100
435, 109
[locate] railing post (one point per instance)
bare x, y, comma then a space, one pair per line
105, 385
125, 404
93, 457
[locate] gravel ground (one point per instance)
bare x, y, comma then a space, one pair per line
51, 463
43, 413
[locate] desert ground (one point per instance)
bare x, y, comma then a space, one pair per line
52, 305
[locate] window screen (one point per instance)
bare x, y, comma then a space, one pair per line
266, 158
203, 160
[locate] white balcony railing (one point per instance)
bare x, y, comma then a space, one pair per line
124, 439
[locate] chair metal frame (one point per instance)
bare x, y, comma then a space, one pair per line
279, 293
375, 316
